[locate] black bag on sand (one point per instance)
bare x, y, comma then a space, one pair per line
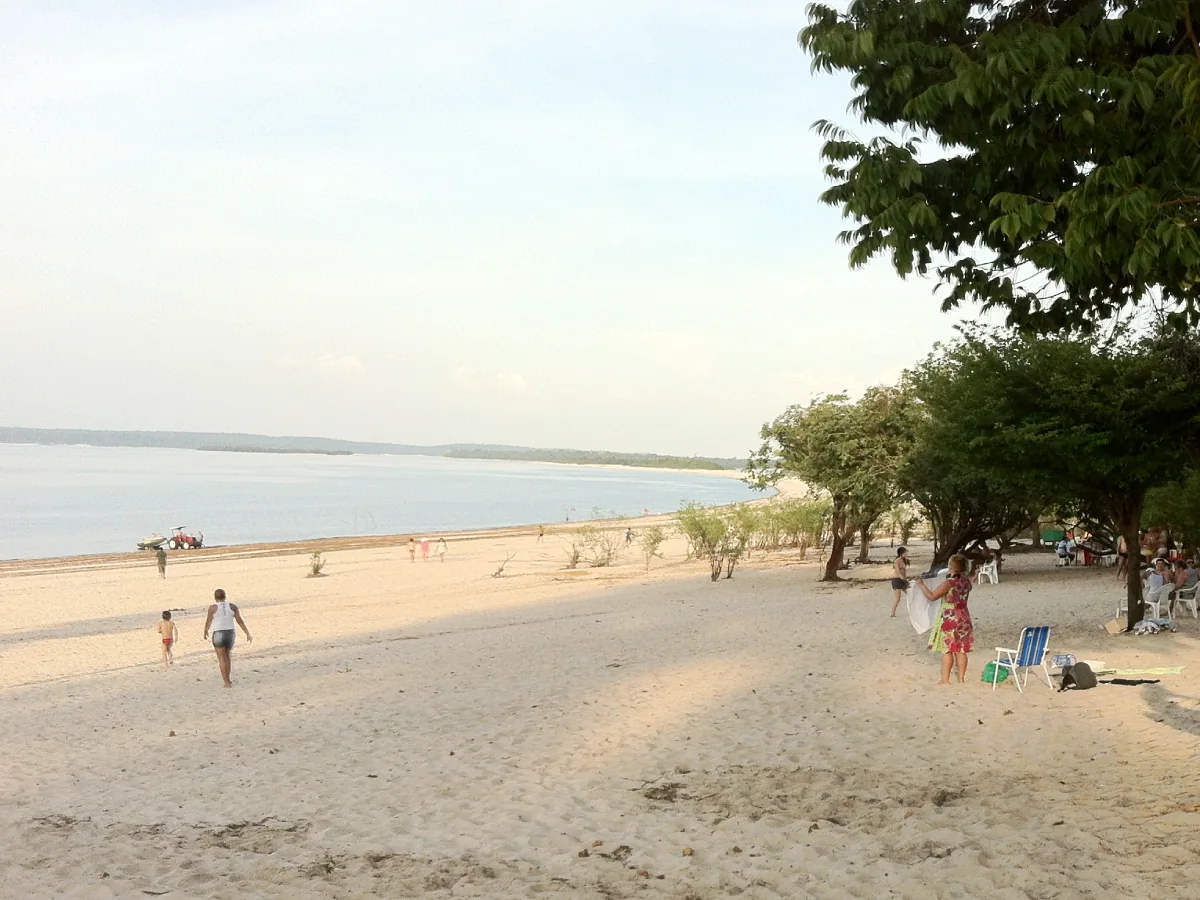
1079, 676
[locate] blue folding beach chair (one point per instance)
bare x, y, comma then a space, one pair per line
1031, 651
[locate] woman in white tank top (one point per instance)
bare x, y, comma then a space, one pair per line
222, 616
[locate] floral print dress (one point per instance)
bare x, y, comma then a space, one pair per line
953, 632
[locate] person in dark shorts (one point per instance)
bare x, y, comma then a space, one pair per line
221, 618
899, 577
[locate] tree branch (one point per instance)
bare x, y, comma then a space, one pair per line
1182, 201
1191, 32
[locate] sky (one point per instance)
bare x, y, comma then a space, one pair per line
553, 224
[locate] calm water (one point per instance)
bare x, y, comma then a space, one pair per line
65, 500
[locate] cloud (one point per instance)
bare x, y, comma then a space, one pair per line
327, 364
341, 366
469, 380
464, 378
510, 383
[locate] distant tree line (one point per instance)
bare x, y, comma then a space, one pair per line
598, 457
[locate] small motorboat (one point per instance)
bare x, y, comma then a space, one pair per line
153, 542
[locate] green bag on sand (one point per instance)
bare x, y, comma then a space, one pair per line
990, 670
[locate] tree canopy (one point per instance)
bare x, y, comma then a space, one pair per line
850, 450
1102, 421
964, 502
1046, 153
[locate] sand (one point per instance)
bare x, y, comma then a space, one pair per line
425, 730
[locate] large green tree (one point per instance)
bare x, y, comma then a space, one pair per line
849, 450
1043, 157
963, 501
1102, 421
1176, 506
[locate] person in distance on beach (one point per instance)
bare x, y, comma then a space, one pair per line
161, 554
424, 549
412, 550
221, 617
899, 577
441, 550
170, 634
541, 533
953, 635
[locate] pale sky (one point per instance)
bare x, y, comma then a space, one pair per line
557, 224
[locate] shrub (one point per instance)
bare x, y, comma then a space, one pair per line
719, 535
650, 540
596, 546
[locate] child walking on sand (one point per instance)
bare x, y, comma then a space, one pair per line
441, 550
169, 634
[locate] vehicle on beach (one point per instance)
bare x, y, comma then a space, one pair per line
181, 541
177, 541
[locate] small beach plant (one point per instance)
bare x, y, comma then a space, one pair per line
600, 547
718, 535
316, 563
649, 541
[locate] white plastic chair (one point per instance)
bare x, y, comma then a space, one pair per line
990, 571
1153, 600
1186, 596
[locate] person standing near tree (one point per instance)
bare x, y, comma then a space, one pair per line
222, 616
899, 577
953, 635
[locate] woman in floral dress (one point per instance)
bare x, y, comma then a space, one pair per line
953, 635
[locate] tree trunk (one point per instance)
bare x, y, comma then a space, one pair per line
864, 540
948, 541
839, 534
1127, 516
836, 552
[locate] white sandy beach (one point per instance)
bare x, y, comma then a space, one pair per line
424, 730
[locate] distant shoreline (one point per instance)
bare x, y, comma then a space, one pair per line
131, 558
258, 443
255, 450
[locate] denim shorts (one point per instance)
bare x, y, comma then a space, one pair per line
223, 639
